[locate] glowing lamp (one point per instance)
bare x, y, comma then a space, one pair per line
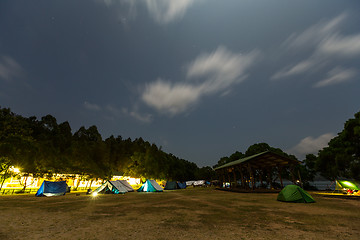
14, 169
348, 184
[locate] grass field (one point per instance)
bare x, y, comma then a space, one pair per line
196, 213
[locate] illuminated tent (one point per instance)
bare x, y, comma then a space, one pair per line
294, 193
126, 185
189, 183
344, 185
195, 183
199, 183
150, 186
49, 189
115, 187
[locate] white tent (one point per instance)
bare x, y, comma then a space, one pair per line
111, 187
126, 185
156, 185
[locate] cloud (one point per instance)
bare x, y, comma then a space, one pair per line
344, 46
300, 67
315, 34
162, 11
221, 68
91, 106
145, 118
168, 98
165, 11
327, 45
9, 68
312, 145
113, 110
337, 75
207, 74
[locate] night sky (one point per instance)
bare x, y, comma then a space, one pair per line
200, 78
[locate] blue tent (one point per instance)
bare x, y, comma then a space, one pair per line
172, 185
181, 185
150, 186
49, 189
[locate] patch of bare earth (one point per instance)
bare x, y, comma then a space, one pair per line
181, 214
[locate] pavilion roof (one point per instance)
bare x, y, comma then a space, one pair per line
262, 160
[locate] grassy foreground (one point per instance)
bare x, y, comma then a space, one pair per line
196, 213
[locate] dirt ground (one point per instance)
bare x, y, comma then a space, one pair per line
196, 213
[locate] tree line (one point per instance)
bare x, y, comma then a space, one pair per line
43, 147
340, 159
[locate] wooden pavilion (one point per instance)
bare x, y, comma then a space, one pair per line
251, 172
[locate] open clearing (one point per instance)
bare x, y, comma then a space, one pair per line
196, 213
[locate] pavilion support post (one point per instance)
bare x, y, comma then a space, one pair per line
260, 177
269, 177
242, 177
292, 174
300, 178
235, 182
251, 176
279, 172
229, 177
220, 177
224, 177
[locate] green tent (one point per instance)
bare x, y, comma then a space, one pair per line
294, 193
171, 185
344, 185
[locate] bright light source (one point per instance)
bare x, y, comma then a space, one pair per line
14, 169
134, 181
348, 184
94, 194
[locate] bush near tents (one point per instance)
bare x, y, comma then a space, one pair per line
294, 193
150, 186
50, 189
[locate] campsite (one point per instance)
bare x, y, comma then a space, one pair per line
192, 213
179, 120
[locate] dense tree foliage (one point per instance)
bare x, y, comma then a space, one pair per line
44, 147
342, 156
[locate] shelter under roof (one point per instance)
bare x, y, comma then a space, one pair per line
250, 172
